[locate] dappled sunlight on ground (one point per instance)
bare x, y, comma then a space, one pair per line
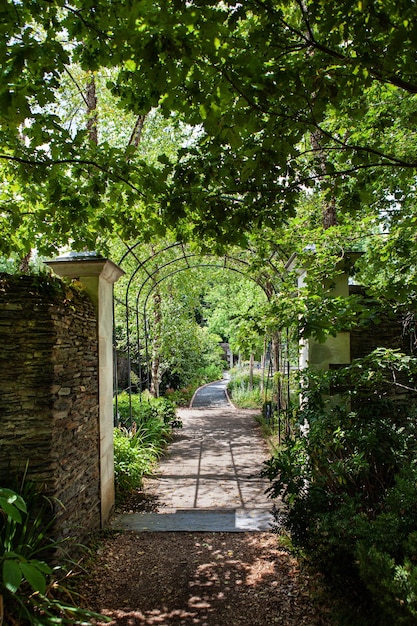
201, 579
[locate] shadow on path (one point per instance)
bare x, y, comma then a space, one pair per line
210, 477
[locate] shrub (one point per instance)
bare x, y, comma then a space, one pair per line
164, 409
141, 438
208, 374
241, 392
349, 481
181, 397
132, 460
386, 551
143, 409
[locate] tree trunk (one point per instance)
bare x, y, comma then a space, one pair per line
91, 100
24, 266
262, 381
136, 135
156, 344
251, 359
329, 214
275, 351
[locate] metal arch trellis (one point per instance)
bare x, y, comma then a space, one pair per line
153, 276
154, 286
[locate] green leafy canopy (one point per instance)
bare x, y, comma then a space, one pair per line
277, 97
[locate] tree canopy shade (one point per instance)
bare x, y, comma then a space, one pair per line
286, 95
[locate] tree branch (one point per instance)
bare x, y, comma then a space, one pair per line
390, 160
80, 91
311, 41
86, 162
136, 135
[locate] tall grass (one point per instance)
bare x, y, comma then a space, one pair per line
243, 394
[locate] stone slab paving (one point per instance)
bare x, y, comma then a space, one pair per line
198, 520
210, 477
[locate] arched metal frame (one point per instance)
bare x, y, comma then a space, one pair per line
155, 285
153, 278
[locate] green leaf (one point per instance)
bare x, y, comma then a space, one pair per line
12, 574
203, 111
34, 576
12, 504
11, 511
42, 566
13, 498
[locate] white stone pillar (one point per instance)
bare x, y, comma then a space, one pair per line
336, 349
98, 275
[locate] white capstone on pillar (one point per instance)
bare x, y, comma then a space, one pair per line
98, 275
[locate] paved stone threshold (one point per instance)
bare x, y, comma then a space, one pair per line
196, 520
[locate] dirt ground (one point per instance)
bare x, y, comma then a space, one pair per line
200, 579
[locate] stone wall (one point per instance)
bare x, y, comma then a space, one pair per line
49, 413
387, 331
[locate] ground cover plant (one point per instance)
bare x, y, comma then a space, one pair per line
145, 428
348, 478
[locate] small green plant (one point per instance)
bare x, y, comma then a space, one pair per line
245, 392
135, 455
15, 566
29, 587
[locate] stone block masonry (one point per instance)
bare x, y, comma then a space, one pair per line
49, 397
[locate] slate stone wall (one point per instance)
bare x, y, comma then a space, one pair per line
391, 329
49, 413
388, 330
